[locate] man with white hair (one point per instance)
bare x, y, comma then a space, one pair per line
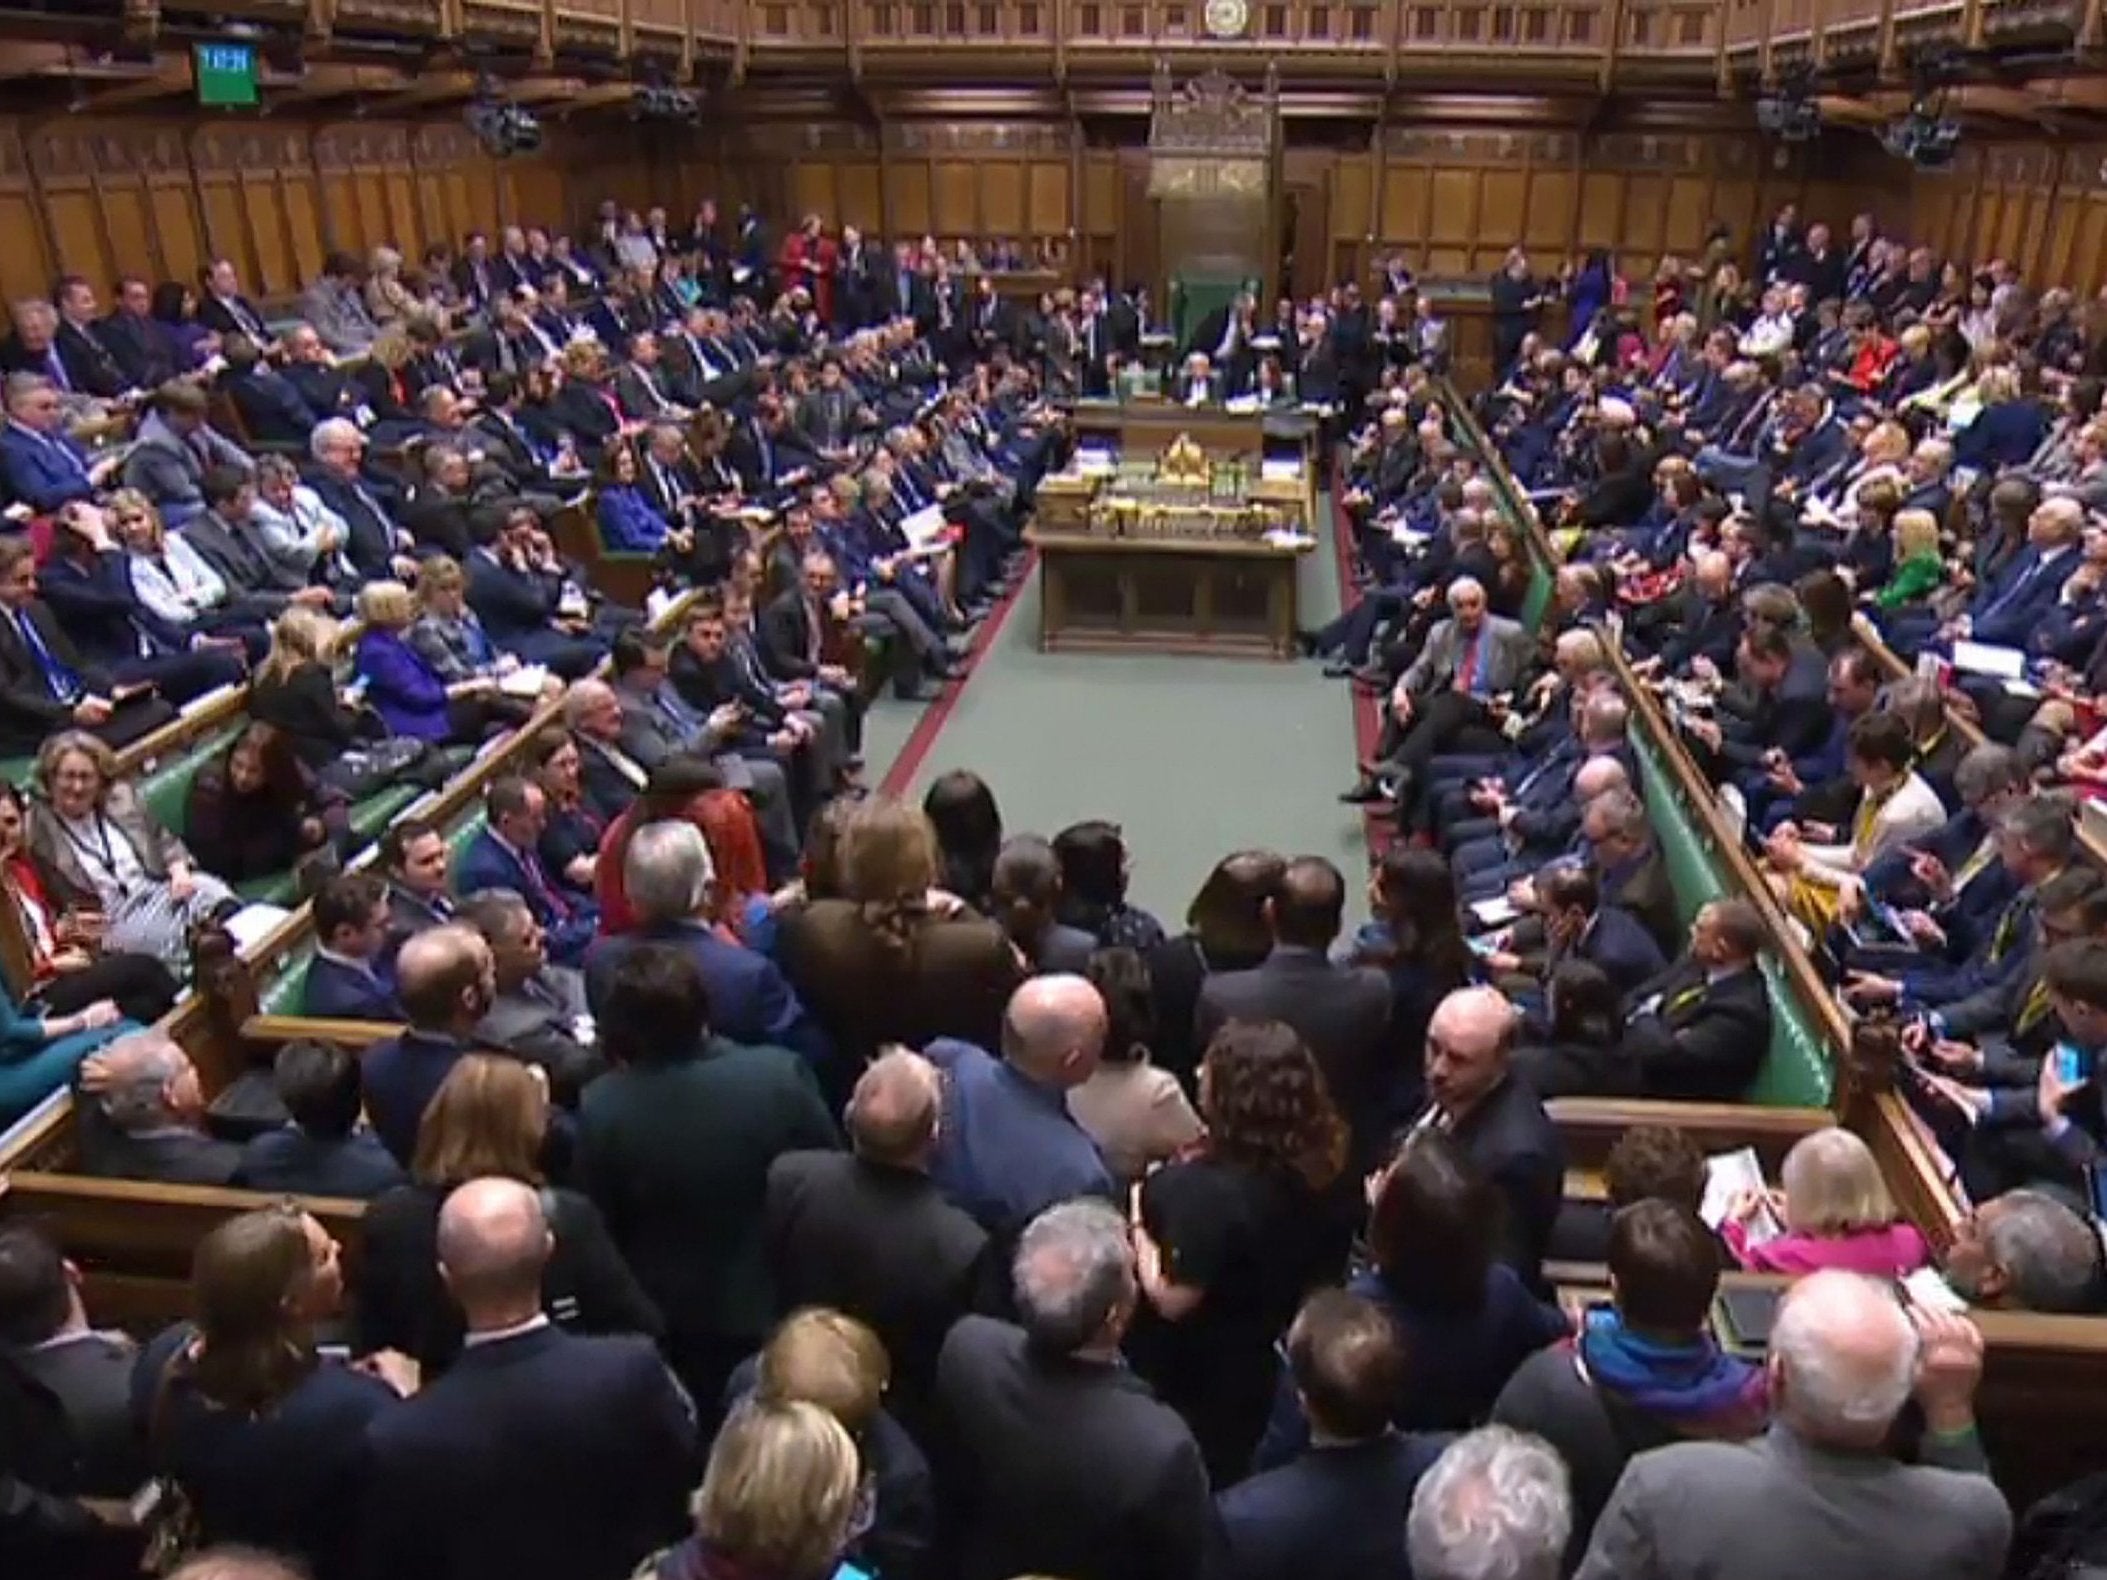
1496, 1506
1442, 702
1499, 1122
1065, 1463
668, 879
375, 542
148, 1118
1818, 1494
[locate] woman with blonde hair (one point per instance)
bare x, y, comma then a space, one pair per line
781, 1500
102, 850
295, 688
387, 298
413, 699
383, 383
818, 1356
170, 576
885, 962
490, 1116
1834, 1211
1920, 568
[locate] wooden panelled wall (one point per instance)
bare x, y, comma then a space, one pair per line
159, 198
2042, 207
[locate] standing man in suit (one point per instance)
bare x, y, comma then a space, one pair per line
1496, 1118
868, 1234
142, 1116
1818, 1494
351, 929
1341, 1496
44, 1330
446, 979
1063, 1462
1342, 1012
668, 880
537, 1012
505, 855
540, 1454
1701, 1028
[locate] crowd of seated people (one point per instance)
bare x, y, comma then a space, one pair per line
885, 1174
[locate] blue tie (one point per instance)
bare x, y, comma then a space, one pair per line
64, 683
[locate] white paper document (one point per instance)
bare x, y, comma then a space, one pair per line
925, 527
1727, 1175
1986, 658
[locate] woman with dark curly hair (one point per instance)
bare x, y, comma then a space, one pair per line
1416, 940
1230, 1237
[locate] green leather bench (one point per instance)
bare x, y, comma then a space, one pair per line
166, 792
1796, 1068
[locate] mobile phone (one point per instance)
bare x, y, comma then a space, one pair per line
2070, 1065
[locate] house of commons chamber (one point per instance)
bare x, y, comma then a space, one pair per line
1053, 789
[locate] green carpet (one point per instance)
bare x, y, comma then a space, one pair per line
1192, 757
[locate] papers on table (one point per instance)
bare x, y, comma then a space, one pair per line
1288, 538
1925, 1287
1727, 1175
253, 923
925, 528
1986, 658
529, 680
1280, 469
1094, 463
1495, 912
1242, 405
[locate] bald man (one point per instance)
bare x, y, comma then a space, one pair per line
1006, 1146
869, 1233
540, 1454
1495, 1117
1818, 1494
446, 979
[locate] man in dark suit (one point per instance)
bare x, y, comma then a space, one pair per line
1026, 892
1628, 865
445, 978
1496, 1118
223, 309
1700, 1029
641, 387
538, 1012
413, 855
1578, 925
868, 1234
667, 878
506, 855
540, 1454
377, 544
273, 412
521, 608
87, 1374
351, 933
324, 1148
45, 682
142, 1116
140, 342
1341, 1497
1785, 707
1342, 1012
903, 290
43, 466
327, 389
90, 367
1061, 1461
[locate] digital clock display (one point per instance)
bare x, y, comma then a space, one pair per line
226, 74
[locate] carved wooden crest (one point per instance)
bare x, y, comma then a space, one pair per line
1214, 114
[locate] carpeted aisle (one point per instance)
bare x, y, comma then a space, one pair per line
1193, 757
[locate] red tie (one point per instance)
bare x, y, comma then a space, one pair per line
1467, 671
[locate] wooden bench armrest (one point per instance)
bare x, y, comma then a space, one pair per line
314, 1028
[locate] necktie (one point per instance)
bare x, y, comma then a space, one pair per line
2034, 1008
2008, 927
55, 366
1467, 668
559, 908
64, 684
1683, 999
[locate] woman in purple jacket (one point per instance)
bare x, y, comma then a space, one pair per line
404, 689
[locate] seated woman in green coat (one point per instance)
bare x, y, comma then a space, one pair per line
1919, 567
39, 1053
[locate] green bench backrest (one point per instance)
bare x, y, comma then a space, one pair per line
1796, 1068
1538, 597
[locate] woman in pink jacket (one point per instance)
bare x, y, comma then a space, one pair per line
1836, 1212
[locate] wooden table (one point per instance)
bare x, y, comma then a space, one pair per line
1233, 596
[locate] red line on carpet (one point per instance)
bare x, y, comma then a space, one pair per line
934, 717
